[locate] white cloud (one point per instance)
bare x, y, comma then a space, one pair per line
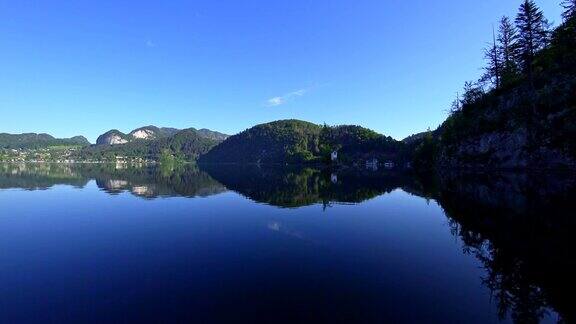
277, 101
150, 43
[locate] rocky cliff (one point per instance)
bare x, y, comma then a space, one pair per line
148, 133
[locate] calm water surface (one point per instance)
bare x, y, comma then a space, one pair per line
107, 244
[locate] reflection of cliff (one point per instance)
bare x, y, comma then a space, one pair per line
38, 176
143, 181
522, 229
152, 182
519, 226
295, 187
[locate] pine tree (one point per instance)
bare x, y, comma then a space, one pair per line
533, 34
472, 93
494, 68
570, 9
455, 107
507, 47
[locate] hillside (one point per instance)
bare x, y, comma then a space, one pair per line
285, 141
356, 144
526, 117
295, 142
37, 141
116, 137
186, 144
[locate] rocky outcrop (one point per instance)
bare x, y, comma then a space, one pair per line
143, 134
503, 150
149, 133
112, 137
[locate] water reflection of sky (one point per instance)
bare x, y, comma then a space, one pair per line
363, 251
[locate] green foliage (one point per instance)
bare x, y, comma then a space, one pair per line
185, 145
297, 142
569, 9
539, 100
533, 33
296, 186
285, 141
37, 141
426, 153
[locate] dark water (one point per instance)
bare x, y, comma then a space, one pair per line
104, 244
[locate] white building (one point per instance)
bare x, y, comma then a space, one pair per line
372, 164
334, 156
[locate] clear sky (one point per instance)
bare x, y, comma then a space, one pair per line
84, 67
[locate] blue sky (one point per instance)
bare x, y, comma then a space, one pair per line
84, 67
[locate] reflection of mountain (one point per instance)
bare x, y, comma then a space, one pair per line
295, 187
151, 182
522, 229
39, 176
148, 182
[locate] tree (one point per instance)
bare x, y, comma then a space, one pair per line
455, 106
493, 70
507, 47
570, 9
426, 153
472, 93
533, 34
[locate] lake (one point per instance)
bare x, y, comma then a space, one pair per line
112, 243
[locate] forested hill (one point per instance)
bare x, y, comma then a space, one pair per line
522, 112
185, 145
115, 137
295, 141
37, 141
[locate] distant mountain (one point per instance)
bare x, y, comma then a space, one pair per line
116, 137
113, 137
296, 141
414, 138
187, 144
35, 141
206, 133
152, 132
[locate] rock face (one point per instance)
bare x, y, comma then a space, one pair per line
112, 137
152, 132
504, 150
143, 134
149, 133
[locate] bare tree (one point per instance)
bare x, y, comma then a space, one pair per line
492, 54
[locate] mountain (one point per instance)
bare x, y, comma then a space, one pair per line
206, 133
152, 132
113, 137
116, 137
276, 142
295, 141
187, 144
356, 144
35, 141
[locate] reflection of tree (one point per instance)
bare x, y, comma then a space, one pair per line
518, 228
155, 181
38, 176
143, 181
295, 187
